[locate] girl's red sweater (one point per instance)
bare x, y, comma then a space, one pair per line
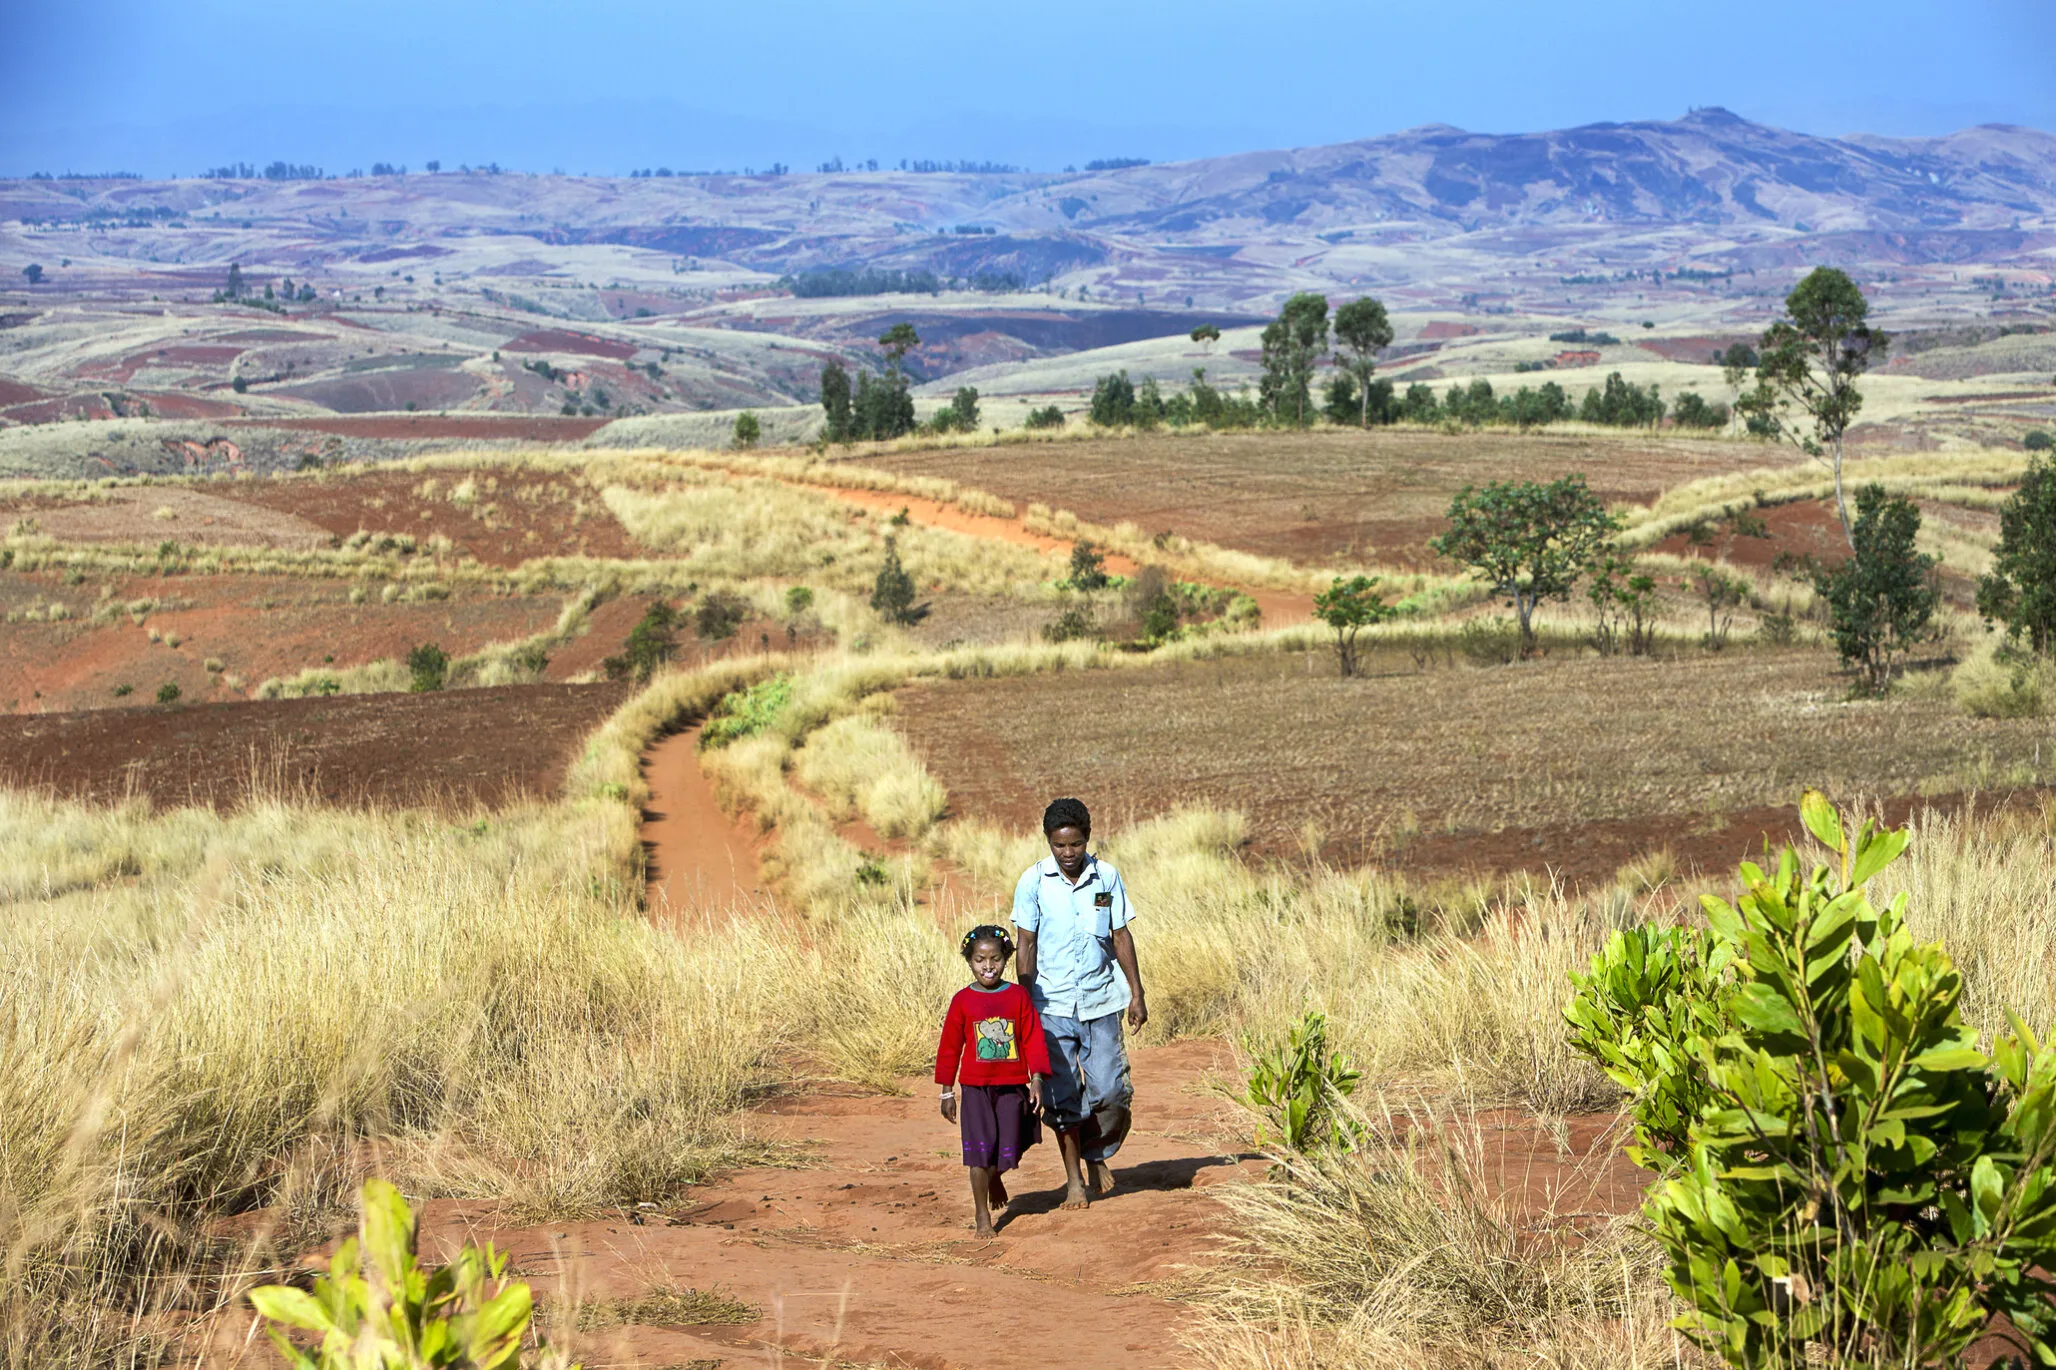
991, 1037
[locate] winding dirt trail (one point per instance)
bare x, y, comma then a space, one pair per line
1279, 607
865, 1255
700, 860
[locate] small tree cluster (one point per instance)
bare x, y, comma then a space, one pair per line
1528, 541
1882, 599
1049, 416
960, 415
877, 407
652, 642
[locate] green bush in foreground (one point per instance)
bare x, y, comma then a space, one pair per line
1845, 1177
378, 1308
1300, 1088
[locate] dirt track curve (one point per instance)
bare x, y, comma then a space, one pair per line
1279, 607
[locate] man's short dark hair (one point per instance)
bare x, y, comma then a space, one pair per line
1067, 813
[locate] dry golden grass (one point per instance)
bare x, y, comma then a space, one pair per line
1413, 1251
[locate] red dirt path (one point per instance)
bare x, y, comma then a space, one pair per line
700, 860
1279, 607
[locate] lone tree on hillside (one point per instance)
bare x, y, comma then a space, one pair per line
747, 429
234, 288
651, 642
1527, 540
1292, 346
1088, 567
34, 271
1881, 600
892, 594
1811, 360
835, 403
2020, 589
1362, 328
899, 340
1206, 335
1349, 607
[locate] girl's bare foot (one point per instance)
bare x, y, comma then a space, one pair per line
996, 1191
985, 1228
1075, 1196
1102, 1178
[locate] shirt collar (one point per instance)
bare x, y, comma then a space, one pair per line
1050, 870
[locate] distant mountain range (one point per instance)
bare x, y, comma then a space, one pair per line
1415, 209
1711, 167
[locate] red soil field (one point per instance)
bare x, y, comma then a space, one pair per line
457, 749
168, 405
255, 626
533, 513
481, 427
563, 340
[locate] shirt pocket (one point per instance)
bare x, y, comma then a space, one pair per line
1103, 923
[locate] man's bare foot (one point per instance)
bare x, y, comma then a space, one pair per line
1076, 1197
985, 1230
996, 1191
1102, 1178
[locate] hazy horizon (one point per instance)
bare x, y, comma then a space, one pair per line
700, 87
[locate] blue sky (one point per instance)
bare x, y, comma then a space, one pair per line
609, 85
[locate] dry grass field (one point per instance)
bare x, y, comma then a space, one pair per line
1372, 497
1642, 752
260, 949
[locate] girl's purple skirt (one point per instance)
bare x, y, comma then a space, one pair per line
998, 1124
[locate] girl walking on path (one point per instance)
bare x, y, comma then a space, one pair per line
992, 1050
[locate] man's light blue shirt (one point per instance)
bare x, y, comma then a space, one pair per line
1076, 975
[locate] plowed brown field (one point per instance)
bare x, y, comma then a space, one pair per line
1376, 496
459, 749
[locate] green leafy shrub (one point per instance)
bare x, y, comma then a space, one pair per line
1088, 566
1049, 416
747, 430
428, 668
1300, 1088
1845, 1178
1074, 623
651, 642
742, 713
168, 692
719, 615
379, 1308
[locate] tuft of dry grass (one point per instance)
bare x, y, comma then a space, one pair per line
1410, 1250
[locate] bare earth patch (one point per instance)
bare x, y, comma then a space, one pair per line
458, 748
1376, 496
1406, 766
177, 513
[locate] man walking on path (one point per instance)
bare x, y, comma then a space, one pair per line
1073, 914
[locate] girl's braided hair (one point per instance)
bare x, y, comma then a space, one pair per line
986, 932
